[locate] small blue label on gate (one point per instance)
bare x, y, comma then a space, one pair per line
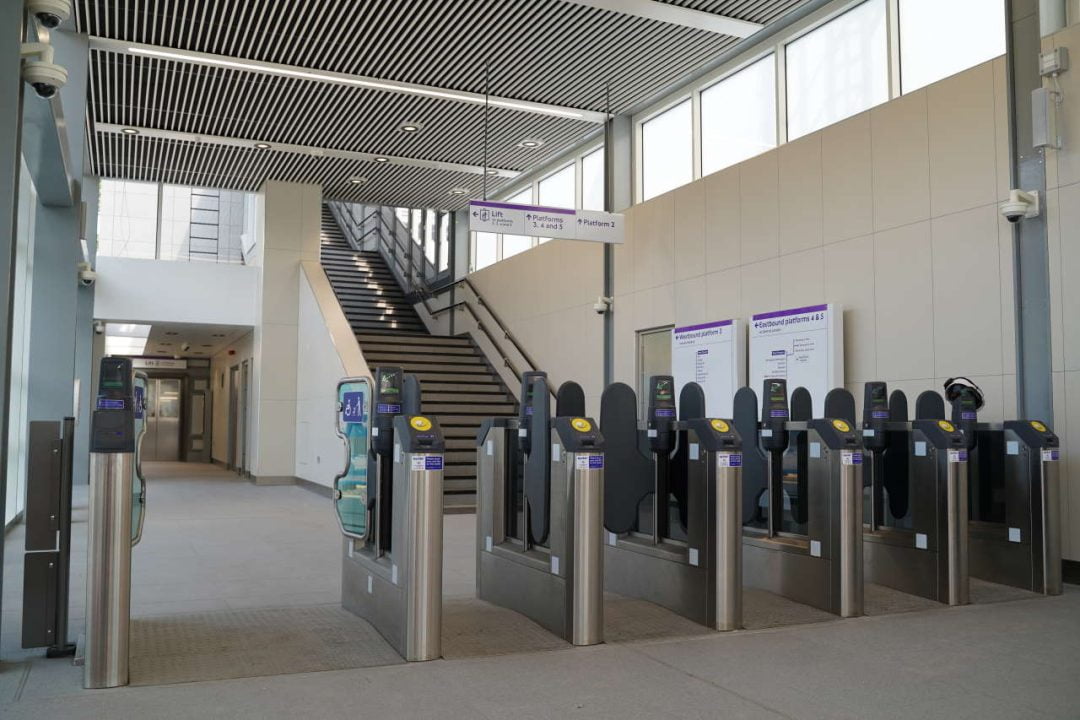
433, 462
110, 404
665, 413
596, 462
778, 413
968, 415
139, 404
880, 414
352, 407
388, 409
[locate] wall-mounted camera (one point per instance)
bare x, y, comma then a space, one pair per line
50, 13
1020, 205
39, 70
602, 305
87, 276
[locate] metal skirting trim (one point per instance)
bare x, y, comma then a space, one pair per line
320, 490
274, 479
252, 643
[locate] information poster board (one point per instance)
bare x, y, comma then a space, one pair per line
712, 356
803, 345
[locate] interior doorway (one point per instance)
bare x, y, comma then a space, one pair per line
239, 393
164, 398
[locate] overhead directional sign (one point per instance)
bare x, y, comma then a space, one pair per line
513, 219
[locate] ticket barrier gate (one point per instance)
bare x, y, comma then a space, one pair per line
673, 504
915, 529
539, 514
802, 510
389, 505
1015, 527
109, 529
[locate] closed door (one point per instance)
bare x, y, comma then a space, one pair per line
162, 441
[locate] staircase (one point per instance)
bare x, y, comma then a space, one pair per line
458, 387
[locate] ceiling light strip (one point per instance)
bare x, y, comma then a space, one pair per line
676, 15
306, 150
265, 68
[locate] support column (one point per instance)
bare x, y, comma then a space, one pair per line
288, 226
11, 87
618, 196
1031, 255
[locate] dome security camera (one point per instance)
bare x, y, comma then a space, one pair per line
50, 13
1020, 205
39, 70
87, 276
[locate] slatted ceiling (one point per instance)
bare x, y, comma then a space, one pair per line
542, 50
133, 90
546, 51
241, 168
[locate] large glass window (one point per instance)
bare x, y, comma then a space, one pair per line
190, 223
557, 189
738, 116
939, 39
839, 69
444, 241
514, 244
127, 218
431, 236
667, 151
592, 180
485, 250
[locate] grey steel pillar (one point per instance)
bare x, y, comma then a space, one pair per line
1031, 254
728, 551
618, 196
108, 570
11, 89
1051, 524
588, 554
851, 538
956, 480
424, 561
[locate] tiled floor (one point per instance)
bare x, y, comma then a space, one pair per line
214, 544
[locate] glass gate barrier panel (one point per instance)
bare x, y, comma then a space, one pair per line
351, 485
138, 483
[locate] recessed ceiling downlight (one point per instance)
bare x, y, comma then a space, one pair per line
129, 131
410, 127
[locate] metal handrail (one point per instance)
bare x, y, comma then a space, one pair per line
417, 285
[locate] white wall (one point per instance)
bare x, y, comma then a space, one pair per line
1063, 220
288, 225
326, 352
158, 291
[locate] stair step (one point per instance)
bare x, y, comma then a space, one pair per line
485, 410
468, 363
414, 340
441, 350
468, 395
426, 377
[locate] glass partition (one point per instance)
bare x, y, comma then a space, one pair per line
351, 485
138, 484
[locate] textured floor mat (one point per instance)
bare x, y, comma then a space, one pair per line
474, 628
987, 592
881, 600
632, 620
252, 643
763, 609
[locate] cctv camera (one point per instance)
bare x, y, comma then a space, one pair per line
99, 328
1020, 205
45, 76
50, 13
602, 305
87, 276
